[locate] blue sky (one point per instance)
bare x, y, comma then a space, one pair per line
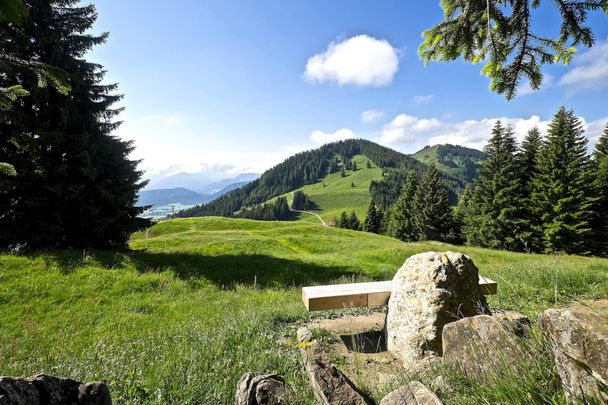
232, 86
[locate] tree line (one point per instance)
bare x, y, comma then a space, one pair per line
545, 195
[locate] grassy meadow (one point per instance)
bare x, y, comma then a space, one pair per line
198, 302
333, 193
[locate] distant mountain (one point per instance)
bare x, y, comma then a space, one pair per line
226, 185
171, 196
458, 161
312, 167
201, 182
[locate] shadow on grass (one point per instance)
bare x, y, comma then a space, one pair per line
225, 271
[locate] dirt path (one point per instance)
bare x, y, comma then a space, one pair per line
311, 213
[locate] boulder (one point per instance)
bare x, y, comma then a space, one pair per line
330, 385
268, 389
49, 390
579, 338
480, 344
414, 393
429, 291
517, 323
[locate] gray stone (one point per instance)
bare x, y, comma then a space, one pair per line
517, 323
49, 390
330, 385
480, 344
429, 291
414, 393
579, 338
268, 389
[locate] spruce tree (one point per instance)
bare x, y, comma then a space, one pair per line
343, 222
354, 166
495, 218
74, 185
527, 159
432, 212
600, 191
401, 220
343, 172
368, 164
373, 219
561, 195
460, 212
353, 222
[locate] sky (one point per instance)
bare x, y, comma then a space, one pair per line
231, 86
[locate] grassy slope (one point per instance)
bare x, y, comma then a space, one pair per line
204, 300
335, 194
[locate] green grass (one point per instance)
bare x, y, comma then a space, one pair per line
201, 301
334, 194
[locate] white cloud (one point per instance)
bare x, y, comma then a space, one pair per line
325, 137
360, 61
404, 128
526, 89
595, 129
423, 99
591, 71
370, 116
174, 120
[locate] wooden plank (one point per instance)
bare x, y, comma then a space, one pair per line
371, 294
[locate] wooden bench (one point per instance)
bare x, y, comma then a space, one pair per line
372, 294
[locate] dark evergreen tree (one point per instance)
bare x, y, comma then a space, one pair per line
354, 166
373, 219
432, 212
459, 214
600, 191
527, 159
353, 222
75, 185
368, 164
277, 210
348, 164
300, 201
401, 223
561, 193
344, 222
495, 218
343, 172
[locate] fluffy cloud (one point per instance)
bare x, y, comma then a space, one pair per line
370, 116
404, 128
423, 99
591, 71
325, 137
360, 61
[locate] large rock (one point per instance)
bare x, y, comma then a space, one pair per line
579, 339
414, 393
480, 344
47, 390
330, 385
429, 291
266, 389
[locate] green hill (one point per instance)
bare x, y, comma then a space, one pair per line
201, 301
458, 161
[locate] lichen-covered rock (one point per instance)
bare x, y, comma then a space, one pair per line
266, 389
579, 338
48, 390
429, 291
414, 393
480, 344
517, 323
330, 385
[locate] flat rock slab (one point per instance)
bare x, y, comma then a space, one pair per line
480, 344
330, 385
268, 389
578, 336
414, 393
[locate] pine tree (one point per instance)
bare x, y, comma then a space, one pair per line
354, 166
600, 191
343, 172
344, 222
373, 219
459, 214
527, 159
75, 185
495, 217
432, 212
353, 222
561, 195
401, 220
368, 164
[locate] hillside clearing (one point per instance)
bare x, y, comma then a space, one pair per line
201, 301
